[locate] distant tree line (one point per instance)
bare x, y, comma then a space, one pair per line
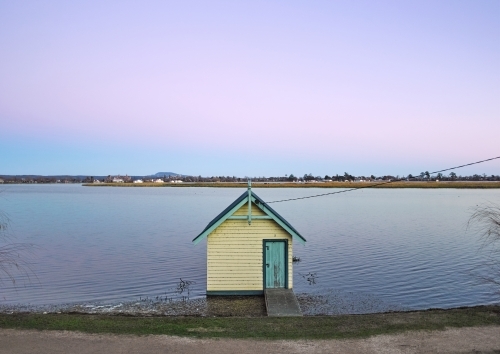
40, 179
345, 177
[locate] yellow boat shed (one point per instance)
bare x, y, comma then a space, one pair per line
249, 248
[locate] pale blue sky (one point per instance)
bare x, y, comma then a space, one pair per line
248, 88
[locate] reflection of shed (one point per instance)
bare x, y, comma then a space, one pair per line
249, 248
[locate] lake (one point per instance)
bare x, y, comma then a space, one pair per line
398, 248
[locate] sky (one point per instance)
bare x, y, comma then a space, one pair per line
249, 88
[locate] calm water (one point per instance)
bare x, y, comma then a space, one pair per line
406, 248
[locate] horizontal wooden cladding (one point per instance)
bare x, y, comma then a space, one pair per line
233, 288
228, 246
228, 249
221, 252
216, 266
241, 277
268, 223
222, 286
243, 242
250, 235
247, 262
236, 284
253, 234
248, 231
235, 254
237, 292
211, 261
236, 281
228, 279
244, 210
256, 222
240, 274
221, 260
244, 245
254, 263
245, 226
236, 247
236, 270
242, 268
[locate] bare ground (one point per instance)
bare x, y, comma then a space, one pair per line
459, 340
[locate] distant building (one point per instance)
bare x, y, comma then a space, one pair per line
1, 180
176, 181
117, 180
159, 180
138, 181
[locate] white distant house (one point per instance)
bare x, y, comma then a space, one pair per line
1, 180
138, 181
117, 180
159, 180
96, 181
176, 181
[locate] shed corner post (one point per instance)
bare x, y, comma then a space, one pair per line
249, 202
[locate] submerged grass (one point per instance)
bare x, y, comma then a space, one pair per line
321, 327
457, 184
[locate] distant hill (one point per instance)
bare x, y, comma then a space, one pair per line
161, 174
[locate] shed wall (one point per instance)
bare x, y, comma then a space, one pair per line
234, 253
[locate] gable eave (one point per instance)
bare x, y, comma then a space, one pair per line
219, 219
238, 203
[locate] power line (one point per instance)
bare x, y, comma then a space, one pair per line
379, 184
469, 164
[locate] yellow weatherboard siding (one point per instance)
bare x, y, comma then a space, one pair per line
234, 252
244, 210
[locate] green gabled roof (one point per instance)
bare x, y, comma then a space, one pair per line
238, 203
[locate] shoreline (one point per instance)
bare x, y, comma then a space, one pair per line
348, 185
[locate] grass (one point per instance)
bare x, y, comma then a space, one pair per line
457, 184
320, 327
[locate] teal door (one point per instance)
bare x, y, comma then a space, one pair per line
275, 264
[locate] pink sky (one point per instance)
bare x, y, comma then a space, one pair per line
249, 88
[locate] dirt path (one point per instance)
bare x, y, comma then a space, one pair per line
463, 340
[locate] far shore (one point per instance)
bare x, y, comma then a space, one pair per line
379, 184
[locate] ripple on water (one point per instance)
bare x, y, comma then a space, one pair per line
405, 248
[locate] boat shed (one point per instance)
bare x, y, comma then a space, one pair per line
249, 248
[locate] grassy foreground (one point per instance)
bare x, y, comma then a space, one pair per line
458, 185
321, 327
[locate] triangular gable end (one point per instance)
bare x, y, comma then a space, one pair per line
236, 205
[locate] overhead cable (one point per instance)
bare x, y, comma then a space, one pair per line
382, 183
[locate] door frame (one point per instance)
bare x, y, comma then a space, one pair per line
285, 241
